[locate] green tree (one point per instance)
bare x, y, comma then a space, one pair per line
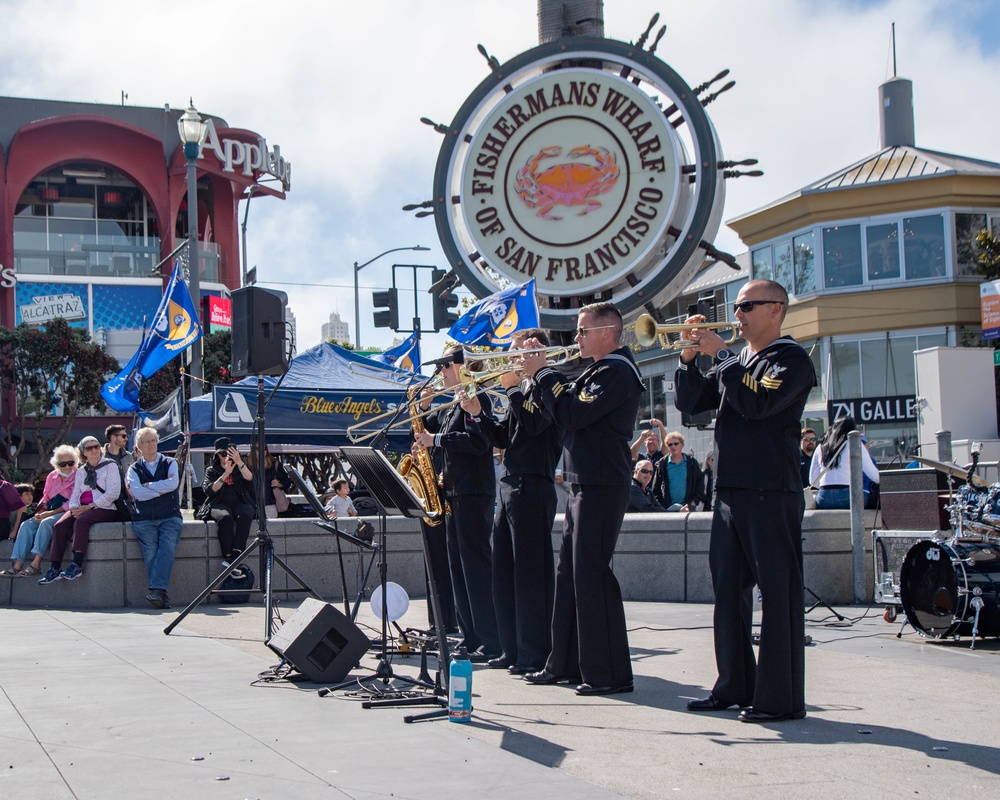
217, 358
988, 256
42, 368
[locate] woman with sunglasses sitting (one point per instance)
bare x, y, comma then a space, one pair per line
96, 488
35, 533
229, 501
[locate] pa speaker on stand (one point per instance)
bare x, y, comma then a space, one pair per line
259, 332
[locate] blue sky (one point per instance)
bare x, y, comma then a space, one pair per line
341, 87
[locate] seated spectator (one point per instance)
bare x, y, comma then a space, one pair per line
831, 466
11, 508
35, 534
677, 482
341, 505
229, 500
274, 478
96, 488
153, 482
641, 498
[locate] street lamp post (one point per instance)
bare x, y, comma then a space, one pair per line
192, 130
357, 301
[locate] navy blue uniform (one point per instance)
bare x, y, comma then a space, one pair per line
470, 487
757, 522
598, 412
523, 574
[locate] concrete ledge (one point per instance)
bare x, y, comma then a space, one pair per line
659, 557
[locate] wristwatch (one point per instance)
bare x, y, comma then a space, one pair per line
722, 355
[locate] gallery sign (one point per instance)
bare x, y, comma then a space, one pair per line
587, 165
870, 410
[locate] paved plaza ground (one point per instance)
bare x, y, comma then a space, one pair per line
101, 704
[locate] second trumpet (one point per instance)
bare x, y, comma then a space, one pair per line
648, 332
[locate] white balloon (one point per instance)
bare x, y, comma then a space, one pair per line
398, 601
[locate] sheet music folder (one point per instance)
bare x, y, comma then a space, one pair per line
390, 489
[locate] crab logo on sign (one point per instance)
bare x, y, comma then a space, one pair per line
574, 175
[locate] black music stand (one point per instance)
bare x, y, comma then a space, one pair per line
395, 498
330, 524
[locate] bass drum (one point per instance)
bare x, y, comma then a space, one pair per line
938, 584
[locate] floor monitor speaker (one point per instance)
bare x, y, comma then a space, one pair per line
320, 642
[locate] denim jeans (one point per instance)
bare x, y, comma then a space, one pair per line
158, 539
833, 498
33, 537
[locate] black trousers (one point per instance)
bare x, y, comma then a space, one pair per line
589, 637
233, 526
468, 527
437, 553
523, 573
757, 539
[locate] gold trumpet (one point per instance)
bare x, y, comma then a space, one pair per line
466, 389
648, 331
484, 367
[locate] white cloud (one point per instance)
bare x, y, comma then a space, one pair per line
341, 87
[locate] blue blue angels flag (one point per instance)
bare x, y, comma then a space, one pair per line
405, 355
174, 328
493, 320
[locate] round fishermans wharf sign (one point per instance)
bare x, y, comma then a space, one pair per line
586, 164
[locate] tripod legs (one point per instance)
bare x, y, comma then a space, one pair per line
819, 601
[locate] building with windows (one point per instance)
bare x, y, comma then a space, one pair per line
879, 261
336, 329
93, 208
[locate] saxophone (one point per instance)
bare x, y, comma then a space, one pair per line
419, 471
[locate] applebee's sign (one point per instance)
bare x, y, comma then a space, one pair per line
234, 154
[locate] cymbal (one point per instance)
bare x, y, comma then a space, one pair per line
951, 469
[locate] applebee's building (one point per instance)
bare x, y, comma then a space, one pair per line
94, 198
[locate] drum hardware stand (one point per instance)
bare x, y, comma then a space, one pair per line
263, 542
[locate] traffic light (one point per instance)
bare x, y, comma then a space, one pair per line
444, 317
444, 300
389, 317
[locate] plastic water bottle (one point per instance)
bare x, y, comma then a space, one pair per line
460, 687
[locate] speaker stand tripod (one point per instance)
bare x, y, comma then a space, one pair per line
262, 543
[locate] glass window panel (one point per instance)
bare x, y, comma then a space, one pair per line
845, 377
783, 265
923, 247
967, 228
815, 354
903, 379
805, 263
927, 340
762, 269
883, 251
76, 208
842, 256
995, 226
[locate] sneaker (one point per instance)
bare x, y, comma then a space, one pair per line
154, 599
51, 576
236, 573
72, 572
163, 598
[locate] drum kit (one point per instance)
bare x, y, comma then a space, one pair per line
950, 587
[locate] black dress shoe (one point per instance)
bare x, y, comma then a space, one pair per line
498, 663
543, 677
751, 715
710, 703
586, 690
517, 669
479, 657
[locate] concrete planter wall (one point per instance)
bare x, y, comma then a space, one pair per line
660, 557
